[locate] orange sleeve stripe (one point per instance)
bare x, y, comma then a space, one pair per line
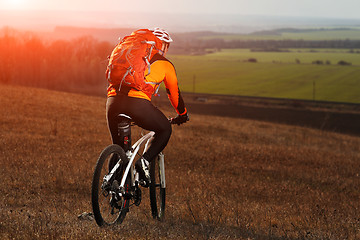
172, 88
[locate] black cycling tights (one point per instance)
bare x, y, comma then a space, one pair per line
145, 115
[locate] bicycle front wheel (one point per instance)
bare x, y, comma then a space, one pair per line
108, 207
157, 187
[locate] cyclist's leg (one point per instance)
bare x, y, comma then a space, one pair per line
114, 106
146, 115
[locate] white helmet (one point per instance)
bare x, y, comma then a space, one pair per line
162, 35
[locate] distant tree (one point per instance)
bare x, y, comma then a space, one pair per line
61, 65
59, 59
9, 47
319, 62
344, 63
31, 61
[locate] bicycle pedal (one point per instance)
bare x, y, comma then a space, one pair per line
144, 183
113, 203
137, 196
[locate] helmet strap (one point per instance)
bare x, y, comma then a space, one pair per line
164, 48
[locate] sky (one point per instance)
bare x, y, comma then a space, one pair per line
299, 8
231, 16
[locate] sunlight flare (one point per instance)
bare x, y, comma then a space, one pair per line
15, 4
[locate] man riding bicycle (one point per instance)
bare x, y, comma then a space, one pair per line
137, 104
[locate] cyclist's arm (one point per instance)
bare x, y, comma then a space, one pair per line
172, 89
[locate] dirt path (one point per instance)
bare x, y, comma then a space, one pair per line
342, 118
348, 123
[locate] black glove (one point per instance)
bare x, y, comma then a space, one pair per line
180, 119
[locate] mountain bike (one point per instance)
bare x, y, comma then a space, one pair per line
116, 184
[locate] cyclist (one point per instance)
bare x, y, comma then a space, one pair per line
138, 106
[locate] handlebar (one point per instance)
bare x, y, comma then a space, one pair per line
179, 119
171, 120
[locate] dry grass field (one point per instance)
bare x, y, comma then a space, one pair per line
227, 178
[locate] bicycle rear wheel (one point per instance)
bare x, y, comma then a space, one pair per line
157, 187
108, 207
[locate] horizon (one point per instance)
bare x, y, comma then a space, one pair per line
48, 20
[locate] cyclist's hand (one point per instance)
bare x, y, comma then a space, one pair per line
180, 119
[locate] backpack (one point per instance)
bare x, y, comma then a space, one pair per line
130, 58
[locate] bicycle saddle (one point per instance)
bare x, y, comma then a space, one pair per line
124, 116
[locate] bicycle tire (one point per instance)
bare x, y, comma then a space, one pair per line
106, 210
157, 192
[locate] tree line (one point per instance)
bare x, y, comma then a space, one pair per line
77, 65
199, 46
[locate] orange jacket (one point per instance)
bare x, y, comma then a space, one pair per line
161, 70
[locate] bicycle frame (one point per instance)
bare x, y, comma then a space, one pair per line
131, 154
147, 138
115, 190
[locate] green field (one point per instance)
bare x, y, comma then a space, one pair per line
276, 74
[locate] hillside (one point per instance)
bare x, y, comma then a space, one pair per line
227, 177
